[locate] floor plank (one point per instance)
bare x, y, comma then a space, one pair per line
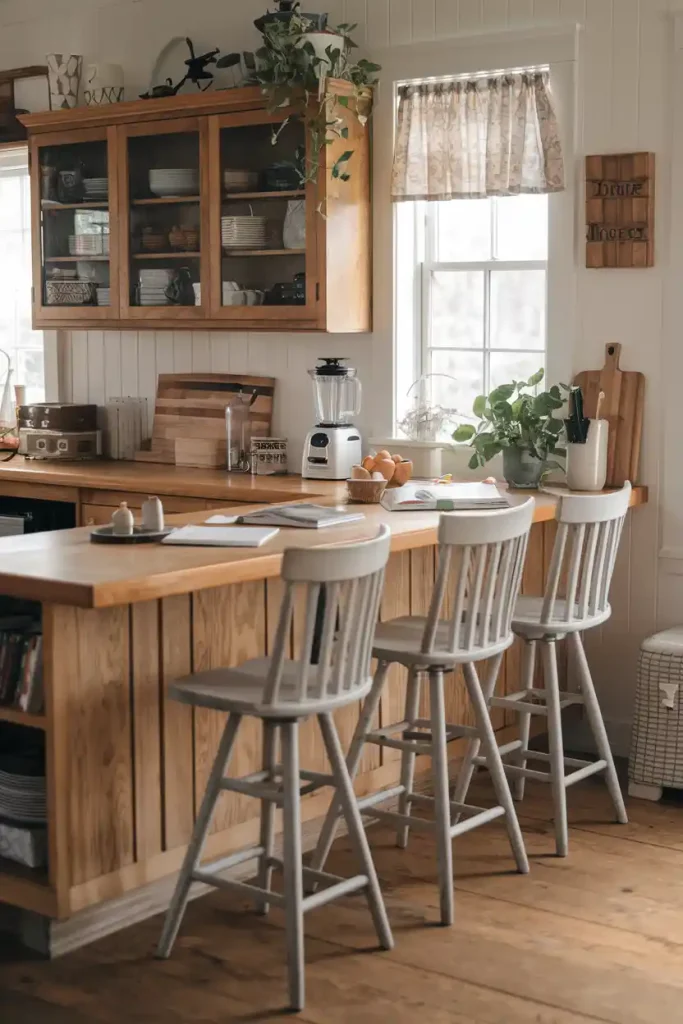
596, 937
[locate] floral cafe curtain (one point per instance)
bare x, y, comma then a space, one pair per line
478, 137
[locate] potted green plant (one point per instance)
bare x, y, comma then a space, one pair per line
517, 421
294, 65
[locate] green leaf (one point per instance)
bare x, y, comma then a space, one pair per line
554, 426
464, 432
479, 406
343, 101
535, 379
474, 462
344, 132
345, 177
501, 394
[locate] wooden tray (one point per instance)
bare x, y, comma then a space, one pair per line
106, 535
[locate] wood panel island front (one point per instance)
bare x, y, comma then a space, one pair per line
126, 766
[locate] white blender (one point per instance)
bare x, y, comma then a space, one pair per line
334, 446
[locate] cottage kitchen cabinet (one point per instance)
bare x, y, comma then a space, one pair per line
183, 210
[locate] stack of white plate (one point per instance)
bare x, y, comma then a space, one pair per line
153, 285
96, 189
22, 797
244, 232
103, 296
236, 180
171, 181
89, 245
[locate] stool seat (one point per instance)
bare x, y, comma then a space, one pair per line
243, 690
400, 640
527, 618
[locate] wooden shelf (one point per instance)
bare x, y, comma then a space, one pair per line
166, 255
295, 194
22, 718
26, 887
47, 205
165, 201
77, 259
263, 252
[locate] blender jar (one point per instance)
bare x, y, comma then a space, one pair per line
336, 392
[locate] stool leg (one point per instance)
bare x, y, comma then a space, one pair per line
347, 800
265, 872
174, 914
466, 772
329, 829
442, 804
294, 916
495, 765
528, 667
408, 757
598, 728
552, 692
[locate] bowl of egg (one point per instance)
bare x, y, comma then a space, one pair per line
377, 472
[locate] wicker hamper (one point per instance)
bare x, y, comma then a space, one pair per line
656, 758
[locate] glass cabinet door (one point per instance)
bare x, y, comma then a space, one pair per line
165, 196
264, 265
74, 186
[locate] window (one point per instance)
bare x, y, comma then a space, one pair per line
23, 345
479, 273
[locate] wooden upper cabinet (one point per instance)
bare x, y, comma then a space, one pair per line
189, 210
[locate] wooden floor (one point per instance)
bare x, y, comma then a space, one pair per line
596, 937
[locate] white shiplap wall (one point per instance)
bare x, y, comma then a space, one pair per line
623, 103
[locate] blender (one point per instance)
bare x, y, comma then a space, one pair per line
334, 445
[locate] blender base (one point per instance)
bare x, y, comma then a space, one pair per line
330, 452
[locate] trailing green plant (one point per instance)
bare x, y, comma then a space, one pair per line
515, 415
291, 74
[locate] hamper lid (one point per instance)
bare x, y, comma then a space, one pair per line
669, 641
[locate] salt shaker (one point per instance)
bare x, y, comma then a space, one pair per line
122, 521
152, 514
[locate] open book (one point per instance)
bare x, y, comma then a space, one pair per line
311, 517
424, 496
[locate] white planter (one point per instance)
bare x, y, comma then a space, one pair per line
320, 42
587, 463
102, 84
424, 455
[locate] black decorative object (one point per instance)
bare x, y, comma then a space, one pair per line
288, 9
197, 72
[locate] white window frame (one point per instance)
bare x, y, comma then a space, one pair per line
453, 57
429, 265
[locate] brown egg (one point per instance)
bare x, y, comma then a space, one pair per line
384, 454
387, 467
397, 458
369, 463
360, 473
404, 471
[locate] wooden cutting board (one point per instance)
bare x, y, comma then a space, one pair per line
623, 407
189, 416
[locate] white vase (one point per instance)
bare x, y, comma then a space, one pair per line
320, 41
587, 463
294, 227
102, 84
122, 521
64, 76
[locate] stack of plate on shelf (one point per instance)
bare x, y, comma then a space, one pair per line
96, 189
245, 232
23, 797
153, 285
89, 245
236, 180
171, 181
103, 296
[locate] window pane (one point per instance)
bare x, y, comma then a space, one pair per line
463, 230
457, 309
468, 370
508, 366
518, 309
522, 228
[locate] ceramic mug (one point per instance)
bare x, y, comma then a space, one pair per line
103, 83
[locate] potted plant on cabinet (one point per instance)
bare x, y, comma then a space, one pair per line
516, 421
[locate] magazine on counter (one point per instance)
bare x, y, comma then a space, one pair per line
421, 495
311, 517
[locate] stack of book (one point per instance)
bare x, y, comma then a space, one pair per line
21, 668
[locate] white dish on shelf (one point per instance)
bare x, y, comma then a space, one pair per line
166, 182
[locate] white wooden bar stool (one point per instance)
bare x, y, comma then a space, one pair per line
582, 565
343, 586
481, 559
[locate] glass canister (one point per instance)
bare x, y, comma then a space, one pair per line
238, 432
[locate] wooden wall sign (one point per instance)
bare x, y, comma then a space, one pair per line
620, 210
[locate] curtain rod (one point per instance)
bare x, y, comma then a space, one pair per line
527, 70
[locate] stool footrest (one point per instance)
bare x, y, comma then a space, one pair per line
379, 797
240, 888
333, 892
482, 816
592, 768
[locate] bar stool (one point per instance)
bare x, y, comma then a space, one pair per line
342, 586
481, 557
582, 564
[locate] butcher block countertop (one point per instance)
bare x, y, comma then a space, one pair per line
64, 567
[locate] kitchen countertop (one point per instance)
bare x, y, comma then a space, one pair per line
63, 567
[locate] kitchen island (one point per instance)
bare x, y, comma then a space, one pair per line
126, 766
